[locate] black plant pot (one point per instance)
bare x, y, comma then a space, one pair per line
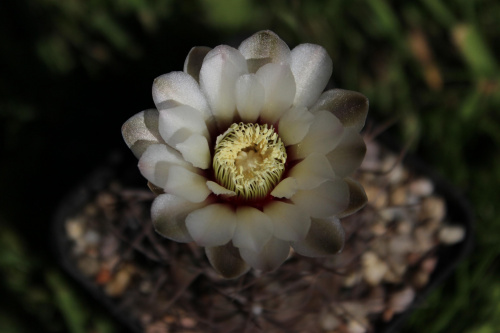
122, 166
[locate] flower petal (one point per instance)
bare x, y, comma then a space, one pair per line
290, 223
294, 124
312, 67
349, 153
176, 88
324, 135
179, 123
212, 225
325, 237
219, 190
141, 131
169, 212
186, 184
285, 188
273, 254
254, 229
220, 70
194, 60
155, 189
226, 261
357, 197
314, 170
249, 97
350, 107
156, 161
196, 151
279, 87
330, 198
264, 47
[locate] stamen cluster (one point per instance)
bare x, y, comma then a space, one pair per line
249, 159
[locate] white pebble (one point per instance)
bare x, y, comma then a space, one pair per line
74, 228
451, 234
400, 301
374, 268
421, 187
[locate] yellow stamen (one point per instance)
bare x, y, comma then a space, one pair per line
249, 159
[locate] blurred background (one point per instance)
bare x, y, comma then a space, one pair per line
72, 71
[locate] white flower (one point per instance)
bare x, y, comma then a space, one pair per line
248, 156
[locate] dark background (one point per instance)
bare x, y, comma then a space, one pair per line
72, 71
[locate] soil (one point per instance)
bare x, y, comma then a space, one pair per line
156, 285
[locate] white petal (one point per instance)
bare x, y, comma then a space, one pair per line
314, 170
285, 188
176, 88
279, 87
219, 190
325, 237
169, 212
350, 107
196, 151
253, 230
328, 199
249, 97
186, 184
226, 261
324, 135
349, 153
212, 225
141, 130
272, 255
294, 125
194, 60
290, 223
156, 162
264, 47
220, 70
357, 197
179, 123
312, 67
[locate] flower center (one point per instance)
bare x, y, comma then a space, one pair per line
249, 159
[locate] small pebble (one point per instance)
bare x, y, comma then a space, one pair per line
374, 268
429, 264
421, 187
376, 196
399, 196
352, 279
378, 228
400, 244
433, 208
354, 326
92, 237
120, 281
420, 279
397, 172
75, 228
399, 302
404, 227
451, 234
424, 240
257, 309
157, 327
145, 287
188, 322
88, 266
395, 273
